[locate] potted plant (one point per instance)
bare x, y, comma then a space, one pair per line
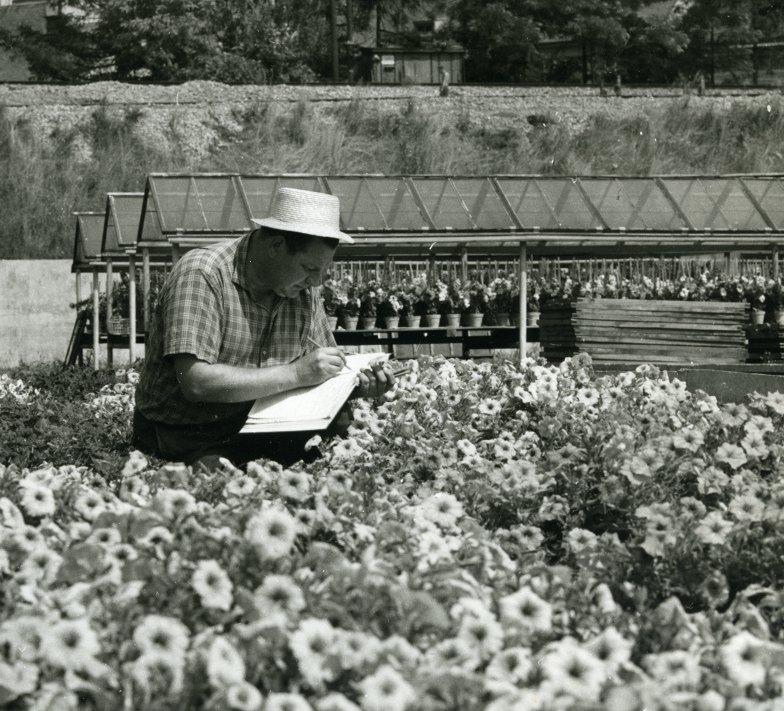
450, 300
329, 297
500, 300
348, 310
389, 310
368, 306
427, 307
532, 307
407, 299
475, 304
755, 295
775, 298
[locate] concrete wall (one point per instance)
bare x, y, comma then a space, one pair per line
35, 317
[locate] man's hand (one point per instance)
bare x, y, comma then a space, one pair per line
319, 365
375, 381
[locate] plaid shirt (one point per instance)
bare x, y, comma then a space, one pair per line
206, 308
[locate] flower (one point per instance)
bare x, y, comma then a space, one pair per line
70, 644
243, 697
573, 671
279, 593
161, 636
526, 610
335, 701
312, 643
713, 529
611, 648
386, 690
442, 509
37, 500
89, 504
212, 584
747, 507
23, 635
512, 666
286, 702
745, 659
294, 485
225, 666
272, 532
156, 673
731, 454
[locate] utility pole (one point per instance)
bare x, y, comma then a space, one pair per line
333, 22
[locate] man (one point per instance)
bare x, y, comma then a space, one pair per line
238, 321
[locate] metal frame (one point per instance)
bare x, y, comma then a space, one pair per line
696, 208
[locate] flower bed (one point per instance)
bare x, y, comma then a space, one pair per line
484, 539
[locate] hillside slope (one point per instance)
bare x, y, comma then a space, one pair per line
65, 147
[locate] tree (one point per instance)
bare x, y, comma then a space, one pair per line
500, 39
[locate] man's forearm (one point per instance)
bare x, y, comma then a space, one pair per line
230, 383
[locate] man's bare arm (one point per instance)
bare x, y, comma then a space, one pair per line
216, 382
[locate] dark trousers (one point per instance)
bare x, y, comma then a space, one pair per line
205, 443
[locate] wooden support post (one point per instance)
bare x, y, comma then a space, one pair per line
775, 262
523, 305
146, 288
109, 289
78, 288
96, 320
464, 265
132, 309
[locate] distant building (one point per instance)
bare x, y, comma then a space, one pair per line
401, 65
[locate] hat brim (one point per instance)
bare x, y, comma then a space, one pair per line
304, 228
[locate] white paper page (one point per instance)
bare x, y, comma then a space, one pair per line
313, 403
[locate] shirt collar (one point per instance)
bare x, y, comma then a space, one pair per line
239, 273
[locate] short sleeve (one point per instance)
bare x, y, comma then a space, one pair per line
319, 327
192, 315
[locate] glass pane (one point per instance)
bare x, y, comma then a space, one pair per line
769, 193
259, 192
127, 211
377, 204
485, 207
611, 200
698, 200
90, 235
653, 211
178, 205
221, 204
443, 204
733, 205
529, 203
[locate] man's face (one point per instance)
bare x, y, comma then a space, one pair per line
290, 274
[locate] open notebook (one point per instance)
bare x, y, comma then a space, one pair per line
310, 408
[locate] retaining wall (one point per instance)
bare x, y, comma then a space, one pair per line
35, 314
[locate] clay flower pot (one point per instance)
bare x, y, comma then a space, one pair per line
350, 322
432, 320
474, 320
413, 321
367, 322
453, 320
391, 321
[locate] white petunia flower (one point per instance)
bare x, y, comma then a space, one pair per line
526, 610
279, 593
442, 508
287, 702
89, 505
573, 671
272, 532
157, 673
386, 690
70, 644
243, 697
37, 500
212, 584
745, 659
312, 643
162, 636
225, 665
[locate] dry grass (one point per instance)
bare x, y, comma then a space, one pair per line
46, 178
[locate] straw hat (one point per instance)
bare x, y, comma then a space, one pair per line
305, 212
